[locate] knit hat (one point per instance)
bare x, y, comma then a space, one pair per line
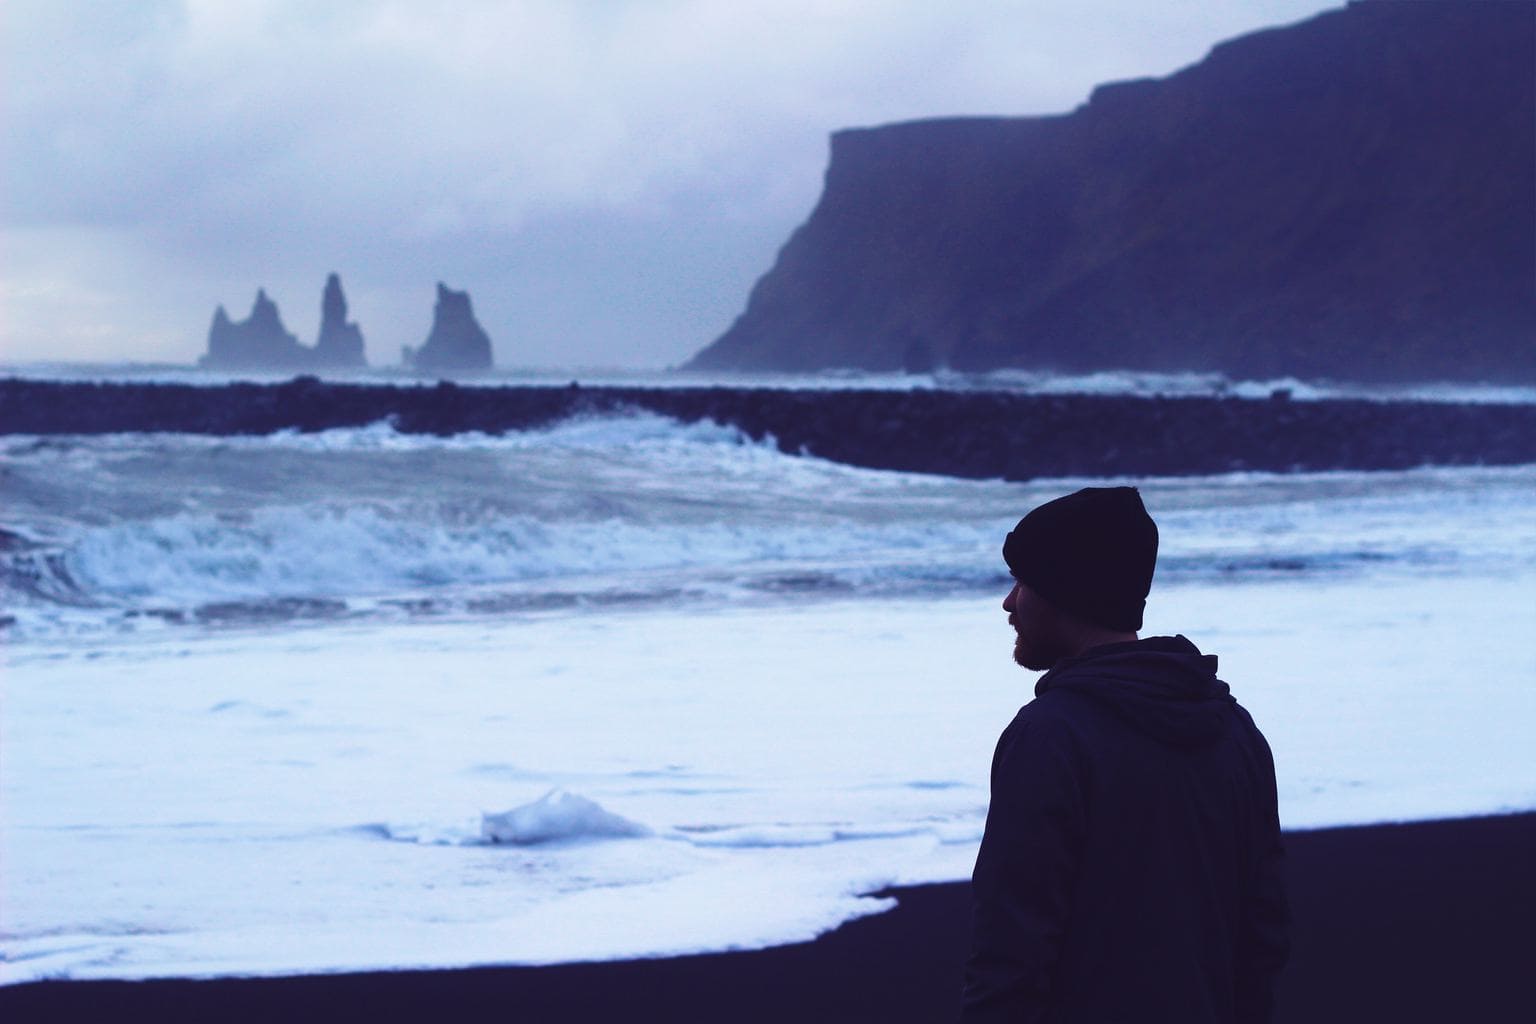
1090, 553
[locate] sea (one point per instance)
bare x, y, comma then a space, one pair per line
626, 687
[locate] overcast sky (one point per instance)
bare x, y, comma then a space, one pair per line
607, 179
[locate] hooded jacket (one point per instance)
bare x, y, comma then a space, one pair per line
1131, 864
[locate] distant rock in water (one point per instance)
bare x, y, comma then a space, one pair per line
1350, 197
457, 341
260, 341
340, 343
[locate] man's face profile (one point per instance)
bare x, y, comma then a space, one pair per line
1038, 643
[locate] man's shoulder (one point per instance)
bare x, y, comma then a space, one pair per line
1052, 711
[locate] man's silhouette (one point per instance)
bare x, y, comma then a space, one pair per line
1131, 865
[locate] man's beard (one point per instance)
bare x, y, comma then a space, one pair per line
1037, 657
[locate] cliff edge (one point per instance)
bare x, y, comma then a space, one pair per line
1352, 196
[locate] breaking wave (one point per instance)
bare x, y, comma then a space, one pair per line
149, 530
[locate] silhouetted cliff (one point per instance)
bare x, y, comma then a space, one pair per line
1353, 196
457, 341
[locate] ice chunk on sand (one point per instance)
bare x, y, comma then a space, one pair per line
557, 815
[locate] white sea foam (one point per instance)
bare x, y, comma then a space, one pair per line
144, 531
598, 431
186, 559
189, 806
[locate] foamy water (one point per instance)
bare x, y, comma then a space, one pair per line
623, 687
140, 531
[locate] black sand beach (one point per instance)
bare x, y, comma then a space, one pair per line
1430, 921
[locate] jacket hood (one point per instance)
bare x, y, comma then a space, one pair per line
1163, 686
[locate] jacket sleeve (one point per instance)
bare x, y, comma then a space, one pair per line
1264, 941
1024, 877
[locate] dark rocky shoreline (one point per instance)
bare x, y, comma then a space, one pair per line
971, 434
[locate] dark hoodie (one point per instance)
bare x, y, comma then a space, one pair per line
1131, 866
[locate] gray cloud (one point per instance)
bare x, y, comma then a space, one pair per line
606, 178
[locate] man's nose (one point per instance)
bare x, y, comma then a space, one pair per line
1008, 601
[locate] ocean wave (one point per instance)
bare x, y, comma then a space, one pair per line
36, 575
257, 529
152, 531
317, 563
369, 550
633, 428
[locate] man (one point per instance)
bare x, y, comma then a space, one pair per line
1131, 864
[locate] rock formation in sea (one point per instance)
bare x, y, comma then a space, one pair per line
260, 341
457, 341
1352, 196
340, 343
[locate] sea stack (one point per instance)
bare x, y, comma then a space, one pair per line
260, 341
457, 341
340, 343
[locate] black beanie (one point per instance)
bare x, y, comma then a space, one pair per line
1090, 553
